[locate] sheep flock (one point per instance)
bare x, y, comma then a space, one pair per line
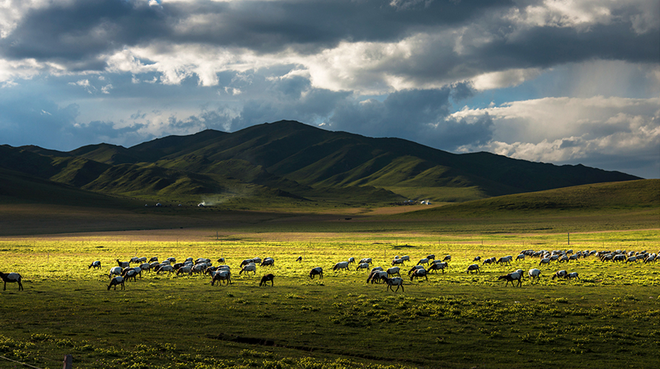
552, 265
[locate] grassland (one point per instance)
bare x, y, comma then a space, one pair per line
453, 320
608, 317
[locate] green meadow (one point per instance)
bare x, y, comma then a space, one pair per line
609, 317
454, 320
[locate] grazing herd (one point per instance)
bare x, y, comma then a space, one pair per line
391, 277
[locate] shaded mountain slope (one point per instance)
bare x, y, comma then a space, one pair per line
293, 160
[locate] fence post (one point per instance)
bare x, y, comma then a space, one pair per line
68, 361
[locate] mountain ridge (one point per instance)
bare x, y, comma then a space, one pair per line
293, 160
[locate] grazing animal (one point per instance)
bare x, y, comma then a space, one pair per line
477, 258
365, 260
123, 264
199, 268
393, 271
221, 260
256, 260
267, 278
424, 261
268, 262
506, 260
11, 278
316, 271
376, 276
220, 276
511, 277
341, 265
95, 264
115, 281
129, 273
405, 258
419, 273
438, 266
544, 261
376, 268
299, 259
447, 258
415, 268
165, 268
249, 268
362, 266
430, 257
560, 274
115, 271
473, 268
520, 257
573, 275
351, 260
398, 261
153, 259
396, 281
187, 269
534, 274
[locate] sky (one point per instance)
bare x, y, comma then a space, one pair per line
563, 82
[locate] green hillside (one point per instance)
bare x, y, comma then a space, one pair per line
639, 195
290, 161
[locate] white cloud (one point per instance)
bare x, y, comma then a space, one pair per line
507, 78
569, 129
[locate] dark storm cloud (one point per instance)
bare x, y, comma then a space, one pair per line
34, 120
418, 115
82, 30
548, 46
77, 34
81, 33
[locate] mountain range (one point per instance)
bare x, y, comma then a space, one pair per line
283, 161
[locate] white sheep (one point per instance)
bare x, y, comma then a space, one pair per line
165, 268
115, 281
341, 265
362, 266
393, 271
424, 261
252, 267
419, 273
534, 274
438, 266
396, 281
95, 264
365, 260
123, 264
473, 268
377, 276
11, 278
511, 277
220, 276
115, 271
560, 274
